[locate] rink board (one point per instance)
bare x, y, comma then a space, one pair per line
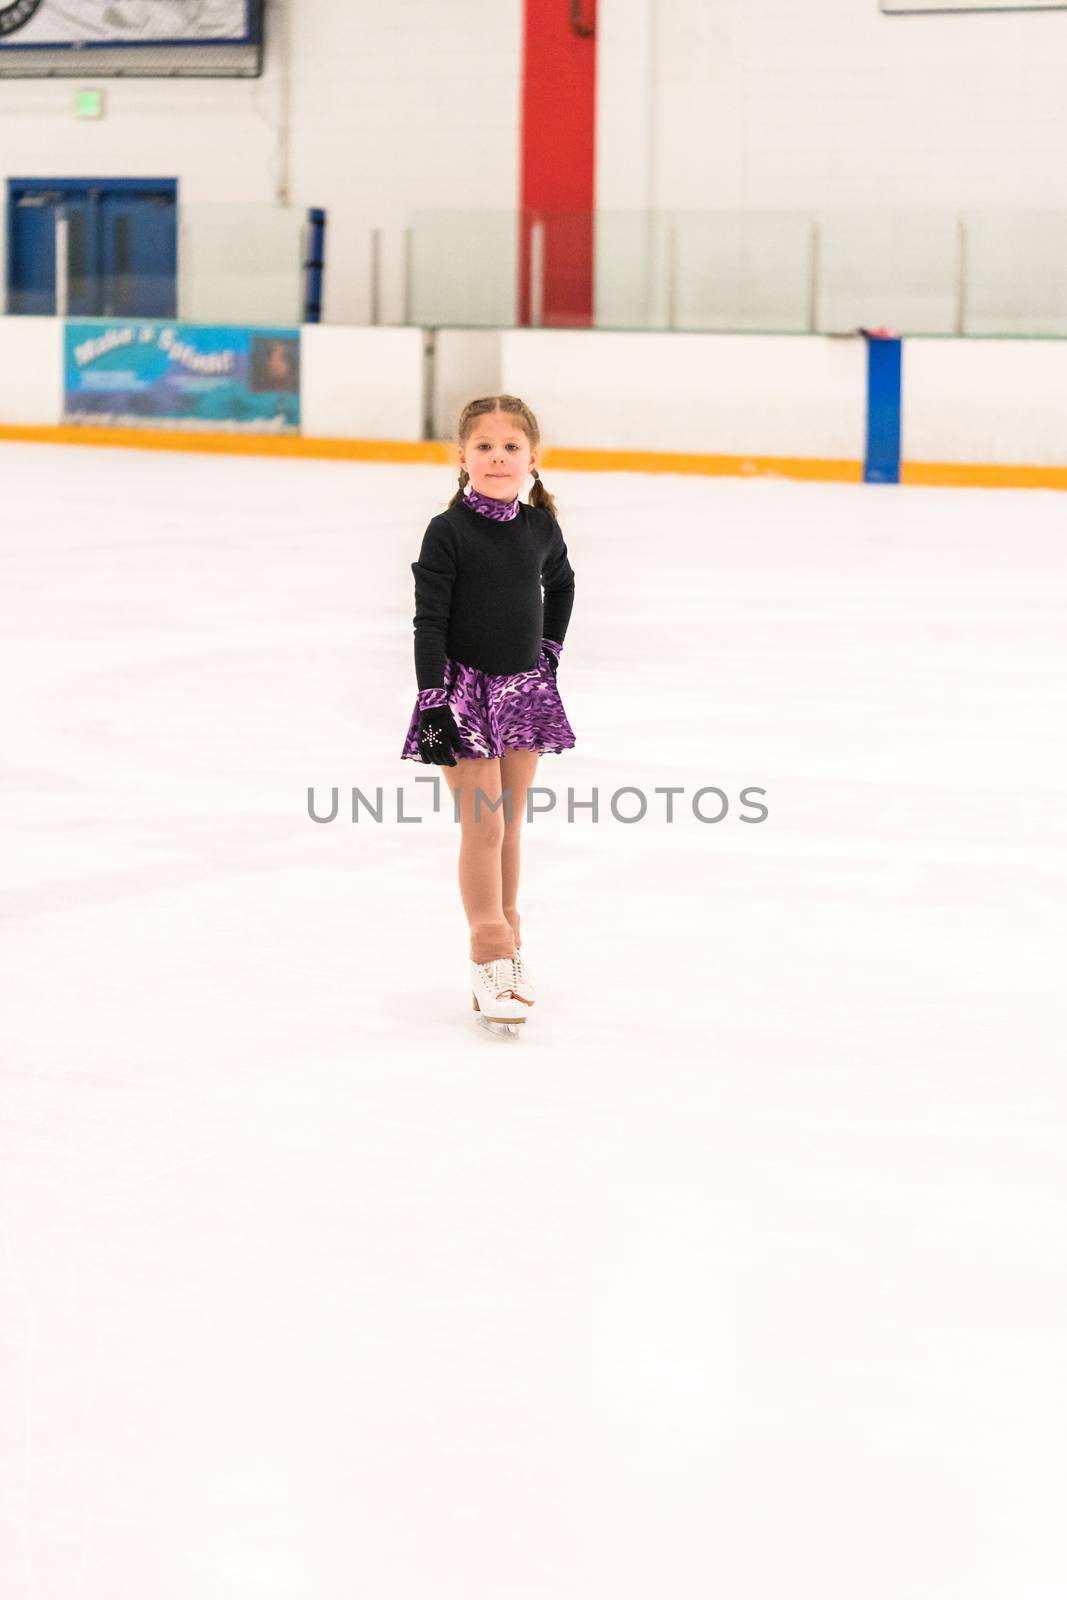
973, 411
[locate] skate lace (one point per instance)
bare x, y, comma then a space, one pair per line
502, 973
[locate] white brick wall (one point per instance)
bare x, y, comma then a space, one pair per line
782, 103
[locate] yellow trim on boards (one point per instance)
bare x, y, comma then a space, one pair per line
705, 466
442, 452
982, 475
432, 450
237, 444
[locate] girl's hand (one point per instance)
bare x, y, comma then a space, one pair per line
438, 736
550, 650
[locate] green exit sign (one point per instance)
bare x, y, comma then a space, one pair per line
89, 103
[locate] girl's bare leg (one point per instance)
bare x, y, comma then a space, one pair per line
481, 838
517, 769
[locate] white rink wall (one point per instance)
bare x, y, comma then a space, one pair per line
966, 401
985, 400
361, 383
356, 383
723, 394
31, 370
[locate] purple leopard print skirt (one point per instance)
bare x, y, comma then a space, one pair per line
515, 711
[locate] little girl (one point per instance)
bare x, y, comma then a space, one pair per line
486, 653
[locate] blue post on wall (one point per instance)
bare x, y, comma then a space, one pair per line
882, 464
314, 264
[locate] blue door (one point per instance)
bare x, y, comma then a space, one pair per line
138, 254
122, 246
31, 252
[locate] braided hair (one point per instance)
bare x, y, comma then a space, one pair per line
513, 407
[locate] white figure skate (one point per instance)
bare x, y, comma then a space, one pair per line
500, 1001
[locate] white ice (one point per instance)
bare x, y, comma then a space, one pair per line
741, 1274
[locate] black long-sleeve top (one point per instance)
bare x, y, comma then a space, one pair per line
478, 591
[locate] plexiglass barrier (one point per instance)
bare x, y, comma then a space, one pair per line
118, 254
912, 271
242, 263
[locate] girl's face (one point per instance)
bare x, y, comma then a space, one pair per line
497, 456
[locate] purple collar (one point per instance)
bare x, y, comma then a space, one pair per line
499, 510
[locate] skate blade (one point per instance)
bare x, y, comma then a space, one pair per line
499, 1030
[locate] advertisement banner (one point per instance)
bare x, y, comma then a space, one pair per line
48, 24
152, 374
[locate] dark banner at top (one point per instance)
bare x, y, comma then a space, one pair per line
131, 38
46, 24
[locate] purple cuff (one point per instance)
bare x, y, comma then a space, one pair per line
553, 645
430, 697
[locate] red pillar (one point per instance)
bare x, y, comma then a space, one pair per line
558, 157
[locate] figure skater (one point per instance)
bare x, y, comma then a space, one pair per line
487, 649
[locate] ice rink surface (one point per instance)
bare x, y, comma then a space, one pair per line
742, 1273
